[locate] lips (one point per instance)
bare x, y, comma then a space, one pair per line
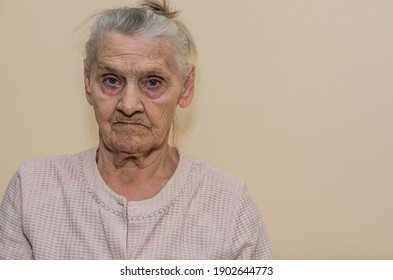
131, 122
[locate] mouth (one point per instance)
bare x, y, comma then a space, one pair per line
130, 123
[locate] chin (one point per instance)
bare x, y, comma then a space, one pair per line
134, 147
136, 144
130, 148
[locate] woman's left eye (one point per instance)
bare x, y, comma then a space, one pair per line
153, 83
153, 87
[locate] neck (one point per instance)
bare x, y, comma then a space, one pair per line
137, 176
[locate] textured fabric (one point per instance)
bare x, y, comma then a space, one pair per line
60, 208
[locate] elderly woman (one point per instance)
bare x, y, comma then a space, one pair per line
135, 196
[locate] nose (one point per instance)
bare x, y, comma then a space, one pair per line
130, 100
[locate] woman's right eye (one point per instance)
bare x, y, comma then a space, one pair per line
112, 82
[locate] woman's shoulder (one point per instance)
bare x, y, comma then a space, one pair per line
55, 160
45, 176
44, 168
212, 176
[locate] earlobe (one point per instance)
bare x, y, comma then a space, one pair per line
87, 84
188, 92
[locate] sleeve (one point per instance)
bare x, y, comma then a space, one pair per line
13, 242
248, 238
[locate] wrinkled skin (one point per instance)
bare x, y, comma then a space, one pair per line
135, 87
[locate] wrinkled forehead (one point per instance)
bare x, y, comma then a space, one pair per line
113, 47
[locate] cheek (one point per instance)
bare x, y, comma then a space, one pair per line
103, 109
167, 102
161, 113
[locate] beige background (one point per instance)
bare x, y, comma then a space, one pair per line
295, 97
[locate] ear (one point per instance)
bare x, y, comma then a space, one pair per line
87, 85
188, 91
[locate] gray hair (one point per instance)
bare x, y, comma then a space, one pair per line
153, 19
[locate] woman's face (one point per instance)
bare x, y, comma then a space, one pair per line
135, 86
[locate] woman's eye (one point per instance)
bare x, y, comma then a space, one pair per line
153, 83
112, 82
153, 87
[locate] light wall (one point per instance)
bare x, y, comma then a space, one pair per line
295, 97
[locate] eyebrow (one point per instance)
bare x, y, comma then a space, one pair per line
152, 71
106, 68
